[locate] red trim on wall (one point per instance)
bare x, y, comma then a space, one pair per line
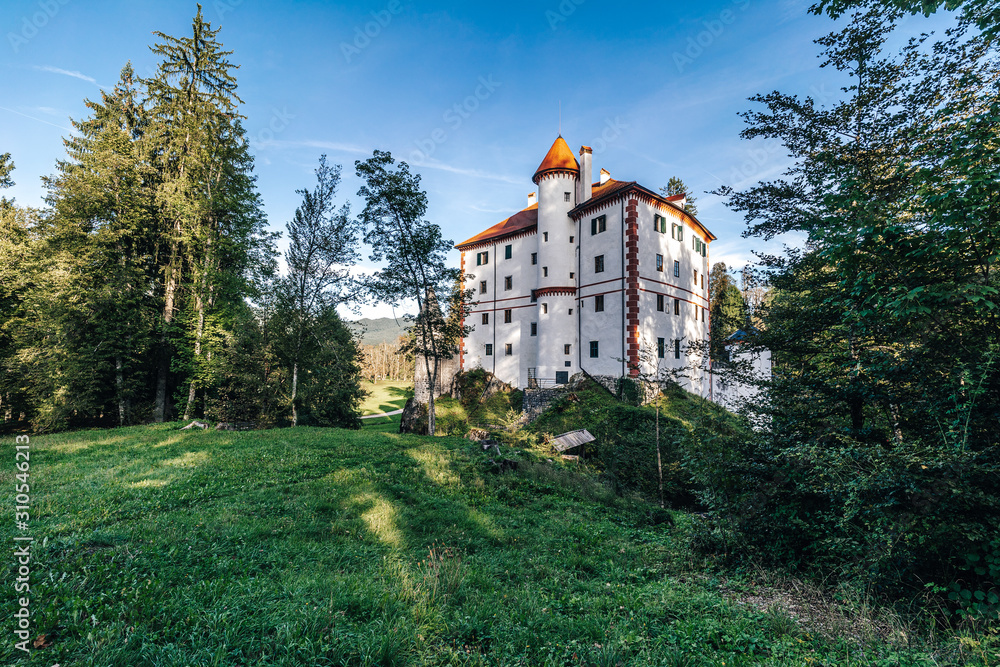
632, 284
683, 289
554, 291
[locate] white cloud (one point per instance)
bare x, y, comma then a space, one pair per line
65, 72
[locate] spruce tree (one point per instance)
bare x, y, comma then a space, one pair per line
675, 186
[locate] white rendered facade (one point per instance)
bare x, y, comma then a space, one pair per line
610, 278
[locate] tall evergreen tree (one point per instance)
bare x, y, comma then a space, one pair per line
728, 309
675, 186
210, 213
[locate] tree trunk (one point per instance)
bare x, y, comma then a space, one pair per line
200, 306
659, 460
295, 387
119, 384
170, 290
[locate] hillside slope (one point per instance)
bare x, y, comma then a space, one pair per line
379, 330
305, 546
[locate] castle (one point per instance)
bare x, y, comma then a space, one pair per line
608, 278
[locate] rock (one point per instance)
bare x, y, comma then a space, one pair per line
477, 434
414, 418
195, 424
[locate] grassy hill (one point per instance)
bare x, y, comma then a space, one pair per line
379, 330
307, 546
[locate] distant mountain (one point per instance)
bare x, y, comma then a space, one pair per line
379, 330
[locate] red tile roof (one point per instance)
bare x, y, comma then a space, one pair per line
559, 158
522, 221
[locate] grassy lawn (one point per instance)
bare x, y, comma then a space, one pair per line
327, 547
385, 396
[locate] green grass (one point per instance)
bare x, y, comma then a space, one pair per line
329, 547
385, 396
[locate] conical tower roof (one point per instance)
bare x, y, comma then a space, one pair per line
559, 158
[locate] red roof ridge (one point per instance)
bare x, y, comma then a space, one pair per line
521, 221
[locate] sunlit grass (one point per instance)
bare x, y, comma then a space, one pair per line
327, 547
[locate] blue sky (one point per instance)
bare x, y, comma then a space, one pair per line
468, 93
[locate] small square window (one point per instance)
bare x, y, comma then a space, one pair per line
572, 239
696, 277
486, 318
508, 316
599, 303
508, 251
545, 272
702, 314
660, 224
482, 287
567, 349
508, 282
703, 281
659, 302
534, 258
568, 364
677, 306
570, 311
598, 225
594, 349
489, 349
565, 196
572, 275
659, 262
599, 264
677, 269
661, 345
508, 349
534, 328
482, 258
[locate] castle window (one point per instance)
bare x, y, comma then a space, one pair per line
594, 349
599, 264
507, 315
677, 232
482, 258
508, 251
598, 225
486, 318
565, 196
702, 314
572, 275
703, 281
545, 272
599, 303
570, 311
659, 302
677, 348
568, 364
545, 308
508, 349
660, 224
659, 262
482, 287
677, 306
567, 349
677, 268
545, 236
534, 328
534, 258
696, 277
572, 239
489, 349
508, 282
660, 347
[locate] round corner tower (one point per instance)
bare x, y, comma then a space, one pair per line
557, 180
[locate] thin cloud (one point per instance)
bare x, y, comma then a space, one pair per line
474, 173
325, 145
66, 72
61, 127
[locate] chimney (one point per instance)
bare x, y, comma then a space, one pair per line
586, 187
605, 176
532, 199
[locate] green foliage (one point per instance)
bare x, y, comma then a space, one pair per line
675, 186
